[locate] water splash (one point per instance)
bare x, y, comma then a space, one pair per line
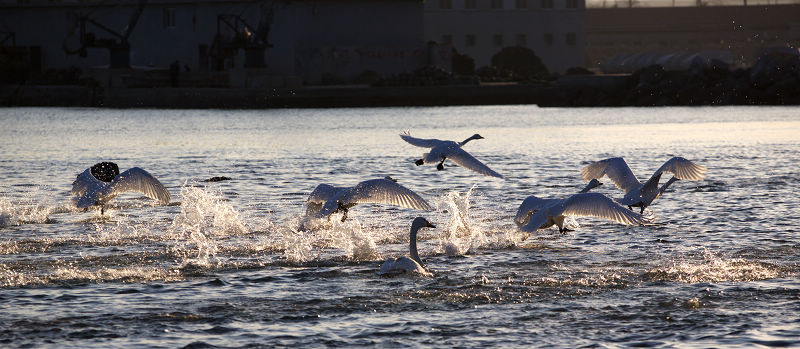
462, 235
23, 211
205, 217
712, 268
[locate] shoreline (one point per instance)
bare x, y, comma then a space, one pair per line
649, 87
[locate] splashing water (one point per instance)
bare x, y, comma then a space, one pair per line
462, 235
26, 210
713, 268
203, 219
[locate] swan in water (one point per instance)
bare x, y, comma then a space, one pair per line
326, 199
443, 150
395, 266
532, 204
544, 213
639, 194
102, 182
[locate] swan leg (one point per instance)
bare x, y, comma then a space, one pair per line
642, 210
440, 166
344, 216
419, 162
102, 209
630, 208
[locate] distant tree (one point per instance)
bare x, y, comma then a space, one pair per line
521, 61
462, 64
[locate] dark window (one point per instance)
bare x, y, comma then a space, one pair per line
445, 4
498, 40
169, 17
571, 39
469, 40
469, 4
447, 39
497, 4
547, 3
522, 40
522, 3
548, 39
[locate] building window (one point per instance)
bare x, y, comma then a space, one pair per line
522, 3
522, 40
469, 4
447, 39
548, 39
572, 3
497, 39
547, 3
169, 17
469, 40
445, 4
497, 4
571, 39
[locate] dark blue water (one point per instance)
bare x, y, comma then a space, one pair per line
226, 265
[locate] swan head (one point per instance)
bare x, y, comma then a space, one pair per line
389, 178
105, 171
594, 183
421, 222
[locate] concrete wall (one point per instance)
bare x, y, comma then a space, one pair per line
534, 22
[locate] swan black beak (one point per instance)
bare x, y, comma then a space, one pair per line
430, 225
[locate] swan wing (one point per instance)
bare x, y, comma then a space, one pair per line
536, 221
464, 159
683, 169
617, 171
530, 204
600, 206
383, 191
138, 180
420, 142
321, 194
83, 184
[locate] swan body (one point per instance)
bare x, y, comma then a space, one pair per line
638, 194
403, 265
102, 182
545, 213
532, 204
326, 199
442, 150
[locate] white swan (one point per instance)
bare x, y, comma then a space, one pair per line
544, 213
532, 204
443, 150
102, 182
326, 200
394, 266
639, 194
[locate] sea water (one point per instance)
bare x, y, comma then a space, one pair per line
230, 263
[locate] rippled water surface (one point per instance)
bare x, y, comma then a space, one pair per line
226, 263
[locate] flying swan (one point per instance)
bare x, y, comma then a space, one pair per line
532, 204
536, 213
639, 194
326, 200
102, 182
402, 265
443, 150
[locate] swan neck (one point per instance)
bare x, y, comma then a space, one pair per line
412, 245
588, 187
467, 140
666, 185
